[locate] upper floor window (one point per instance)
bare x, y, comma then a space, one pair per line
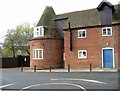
39, 31
107, 31
81, 33
38, 54
82, 54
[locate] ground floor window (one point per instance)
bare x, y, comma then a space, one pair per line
82, 54
38, 54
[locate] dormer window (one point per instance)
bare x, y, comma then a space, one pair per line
39, 31
106, 10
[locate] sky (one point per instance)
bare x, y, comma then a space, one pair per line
16, 12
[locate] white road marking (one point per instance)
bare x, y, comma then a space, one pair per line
87, 80
55, 84
6, 85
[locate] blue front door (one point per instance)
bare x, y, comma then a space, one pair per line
108, 58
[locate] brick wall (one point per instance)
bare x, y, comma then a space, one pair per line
52, 53
119, 46
93, 43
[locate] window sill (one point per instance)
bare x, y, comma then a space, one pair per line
81, 37
106, 35
37, 58
83, 58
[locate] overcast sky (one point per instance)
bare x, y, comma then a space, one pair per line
15, 12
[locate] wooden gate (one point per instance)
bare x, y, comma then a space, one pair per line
23, 61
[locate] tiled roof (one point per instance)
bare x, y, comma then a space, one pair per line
78, 19
81, 18
116, 17
47, 21
87, 18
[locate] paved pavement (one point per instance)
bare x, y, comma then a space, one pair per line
73, 70
15, 80
27, 69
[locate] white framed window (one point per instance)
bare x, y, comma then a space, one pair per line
38, 54
81, 33
107, 31
39, 31
82, 54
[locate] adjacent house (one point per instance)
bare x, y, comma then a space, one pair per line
78, 38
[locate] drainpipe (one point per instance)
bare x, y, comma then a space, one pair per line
70, 37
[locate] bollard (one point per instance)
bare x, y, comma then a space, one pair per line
34, 68
50, 68
21, 68
90, 67
68, 68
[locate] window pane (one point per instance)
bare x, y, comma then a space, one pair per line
104, 31
80, 54
36, 53
40, 53
83, 33
84, 54
37, 31
80, 33
40, 31
109, 31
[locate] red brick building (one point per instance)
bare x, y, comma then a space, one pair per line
77, 38
45, 46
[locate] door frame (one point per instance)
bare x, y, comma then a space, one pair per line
113, 55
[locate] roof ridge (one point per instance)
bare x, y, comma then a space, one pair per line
76, 11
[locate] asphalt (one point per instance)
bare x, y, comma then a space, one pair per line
15, 80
